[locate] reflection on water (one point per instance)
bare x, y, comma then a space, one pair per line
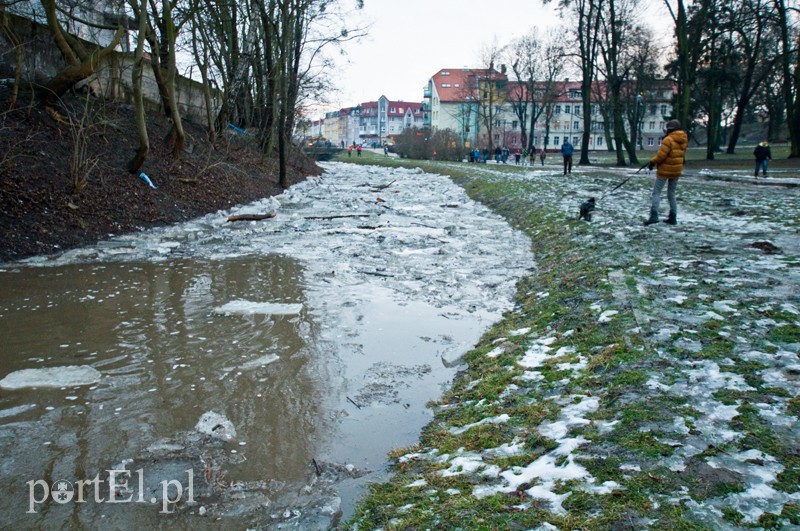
319, 370
166, 358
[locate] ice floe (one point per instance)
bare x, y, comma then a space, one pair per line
57, 377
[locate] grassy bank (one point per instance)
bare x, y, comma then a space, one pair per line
645, 379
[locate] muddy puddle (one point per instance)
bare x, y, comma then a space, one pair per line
247, 374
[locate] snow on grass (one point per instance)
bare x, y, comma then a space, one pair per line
500, 419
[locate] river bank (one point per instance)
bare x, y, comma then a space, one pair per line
65, 186
647, 377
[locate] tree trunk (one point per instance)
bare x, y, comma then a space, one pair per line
138, 96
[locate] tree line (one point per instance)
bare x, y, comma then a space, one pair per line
732, 62
260, 59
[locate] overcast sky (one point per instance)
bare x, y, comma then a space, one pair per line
410, 40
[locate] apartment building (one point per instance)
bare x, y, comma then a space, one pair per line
482, 106
372, 123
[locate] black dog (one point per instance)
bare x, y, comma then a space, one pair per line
586, 209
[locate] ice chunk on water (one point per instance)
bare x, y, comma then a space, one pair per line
243, 307
216, 425
68, 376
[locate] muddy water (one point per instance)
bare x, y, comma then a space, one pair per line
256, 374
299, 405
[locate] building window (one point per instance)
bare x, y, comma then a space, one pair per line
400, 110
496, 139
497, 123
663, 110
574, 139
392, 110
566, 109
599, 141
574, 94
577, 109
514, 124
445, 85
555, 141
558, 109
456, 85
650, 142
651, 125
445, 73
575, 124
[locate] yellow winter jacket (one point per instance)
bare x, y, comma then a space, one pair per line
669, 159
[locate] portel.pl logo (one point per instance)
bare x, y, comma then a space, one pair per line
119, 488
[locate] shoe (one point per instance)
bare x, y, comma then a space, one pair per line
672, 219
653, 217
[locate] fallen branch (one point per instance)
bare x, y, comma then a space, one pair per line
339, 216
251, 217
353, 402
380, 187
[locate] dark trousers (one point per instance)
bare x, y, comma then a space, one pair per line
567, 164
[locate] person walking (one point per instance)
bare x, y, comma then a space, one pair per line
349, 151
542, 155
358, 150
566, 151
763, 153
669, 167
517, 156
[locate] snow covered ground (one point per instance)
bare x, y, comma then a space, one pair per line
666, 393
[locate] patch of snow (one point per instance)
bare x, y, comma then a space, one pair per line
500, 419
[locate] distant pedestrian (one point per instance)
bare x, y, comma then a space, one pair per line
517, 156
485, 155
497, 153
349, 151
669, 164
542, 155
532, 156
762, 153
386, 150
504, 155
566, 151
477, 155
358, 150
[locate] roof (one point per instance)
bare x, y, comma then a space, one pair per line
459, 84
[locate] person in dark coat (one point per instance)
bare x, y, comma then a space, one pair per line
567, 151
762, 153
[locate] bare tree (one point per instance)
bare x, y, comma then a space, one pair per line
690, 26
82, 60
587, 14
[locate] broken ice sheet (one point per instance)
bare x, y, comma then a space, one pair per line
243, 307
68, 376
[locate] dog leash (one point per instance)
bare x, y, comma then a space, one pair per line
623, 182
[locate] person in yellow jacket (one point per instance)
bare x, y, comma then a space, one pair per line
669, 167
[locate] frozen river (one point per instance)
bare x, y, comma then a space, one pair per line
260, 371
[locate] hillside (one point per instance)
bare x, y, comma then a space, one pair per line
42, 211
